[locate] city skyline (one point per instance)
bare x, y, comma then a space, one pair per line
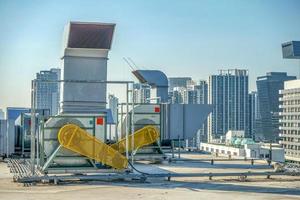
155, 29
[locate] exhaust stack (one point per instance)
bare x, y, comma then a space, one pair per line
85, 55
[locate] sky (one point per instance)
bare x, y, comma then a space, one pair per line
180, 37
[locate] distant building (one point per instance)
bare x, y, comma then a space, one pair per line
268, 86
228, 93
291, 50
290, 120
113, 105
249, 151
178, 95
47, 93
141, 93
202, 91
1, 114
178, 82
193, 93
253, 113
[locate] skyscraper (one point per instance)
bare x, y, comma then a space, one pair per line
253, 113
47, 93
177, 95
290, 120
193, 93
228, 92
178, 82
201, 90
268, 86
141, 93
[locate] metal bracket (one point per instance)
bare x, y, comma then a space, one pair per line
51, 158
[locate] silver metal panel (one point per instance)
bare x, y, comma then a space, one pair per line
175, 121
184, 120
85, 51
84, 97
194, 117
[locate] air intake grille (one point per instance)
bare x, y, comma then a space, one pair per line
94, 36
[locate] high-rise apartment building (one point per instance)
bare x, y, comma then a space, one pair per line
268, 86
141, 93
178, 82
228, 93
47, 93
193, 93
290, 120
201, 89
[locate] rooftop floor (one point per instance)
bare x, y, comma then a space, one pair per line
178, 188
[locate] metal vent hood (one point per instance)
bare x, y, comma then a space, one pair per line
85, 55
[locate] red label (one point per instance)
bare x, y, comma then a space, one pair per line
157, 109
99, 121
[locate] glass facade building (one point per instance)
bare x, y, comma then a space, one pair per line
268, 86
253, 113
228, 93
47, 93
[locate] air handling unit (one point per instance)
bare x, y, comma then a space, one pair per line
75, 140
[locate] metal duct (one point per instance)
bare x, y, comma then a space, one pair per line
158, 82
85, 52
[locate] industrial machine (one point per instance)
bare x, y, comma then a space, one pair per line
78, 140
75, 140
23, 130
145, 115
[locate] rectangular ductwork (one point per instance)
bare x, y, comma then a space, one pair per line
85, 55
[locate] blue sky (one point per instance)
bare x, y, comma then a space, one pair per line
182, 38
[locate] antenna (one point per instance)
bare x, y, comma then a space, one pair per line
132, 62
128, 63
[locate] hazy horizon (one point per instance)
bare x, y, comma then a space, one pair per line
181, 38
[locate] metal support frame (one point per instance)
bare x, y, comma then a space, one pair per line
32, 146
118, 176
51, 158
132, 125
33, 113
133, 155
